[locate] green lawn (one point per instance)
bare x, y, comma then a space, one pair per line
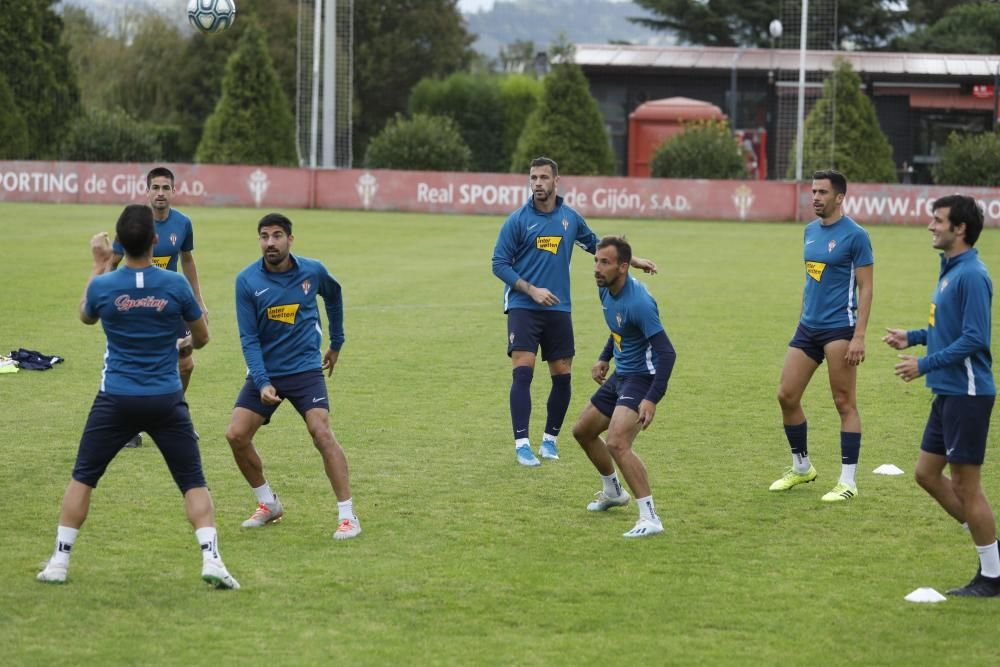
467, 558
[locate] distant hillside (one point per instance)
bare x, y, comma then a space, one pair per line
591, 21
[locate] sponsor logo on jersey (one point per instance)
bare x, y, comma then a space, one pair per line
161, 262
930, 318
125, 303
548, 243
815, 270
305, 286
284, 313
618, 341
831, 245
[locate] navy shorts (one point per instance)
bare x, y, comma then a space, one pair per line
812, 341
551, 329
957, 428
627, 390
115, 419
305, 390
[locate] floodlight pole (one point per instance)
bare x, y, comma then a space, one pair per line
800, 131
314, 109
329, 82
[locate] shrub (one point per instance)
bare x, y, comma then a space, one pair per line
14, 142
431, 143
969, 159
110, 136
705, 149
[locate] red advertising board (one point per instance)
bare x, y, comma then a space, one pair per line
454, 192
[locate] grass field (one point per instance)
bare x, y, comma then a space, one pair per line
467, 558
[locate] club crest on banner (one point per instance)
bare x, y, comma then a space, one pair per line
743, 200
258, 183
366, 188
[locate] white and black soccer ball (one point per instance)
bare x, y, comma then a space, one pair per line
211, 15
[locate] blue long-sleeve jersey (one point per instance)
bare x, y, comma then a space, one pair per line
958, 360
279, 321
175, 235
538, 247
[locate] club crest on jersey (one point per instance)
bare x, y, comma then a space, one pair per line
565, 224
173, 239
831, 245
944, 283
306, 285
548, 243
284, 313
618, 319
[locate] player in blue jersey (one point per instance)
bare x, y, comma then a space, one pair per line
626, 402
175, 245
139, 307
532, 257
958, 366
279, 324
836, 303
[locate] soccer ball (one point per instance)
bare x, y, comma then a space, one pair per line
211, 15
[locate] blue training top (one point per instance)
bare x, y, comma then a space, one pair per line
140, 310
279, 321
832, 253
538, 247
633, 317
958, 361
176, 235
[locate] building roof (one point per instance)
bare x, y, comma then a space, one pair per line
723, 58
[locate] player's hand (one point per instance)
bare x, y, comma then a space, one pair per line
185, 346
855, 351
600, 371
908, 369
330, 360
100, 248
542, 296
269, 396
648, 266
647, 410
896, 338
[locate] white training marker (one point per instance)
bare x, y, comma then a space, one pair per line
925, 595
887, 469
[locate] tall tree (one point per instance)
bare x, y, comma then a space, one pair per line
853, 144
396, 44
745, 22
13, 129
37, 68
567, 127
252, 123
966, 28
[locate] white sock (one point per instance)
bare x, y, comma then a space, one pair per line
847, 471
800, 463
612, 487
522, 442
208, 539
65, 537
989, 559
345, 510
264, 494
646, 509
551, 438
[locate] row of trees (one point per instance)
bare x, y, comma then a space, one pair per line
934, 26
